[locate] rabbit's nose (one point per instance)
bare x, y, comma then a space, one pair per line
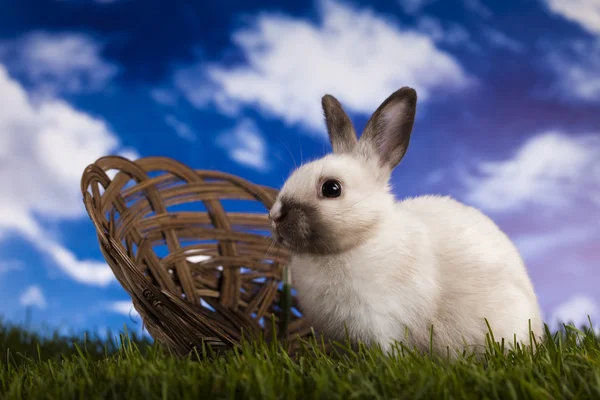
276, 214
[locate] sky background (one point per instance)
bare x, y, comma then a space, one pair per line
508, 121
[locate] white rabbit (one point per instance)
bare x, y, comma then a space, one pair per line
380, 268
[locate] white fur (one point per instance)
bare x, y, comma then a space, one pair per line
431, 261
401, 267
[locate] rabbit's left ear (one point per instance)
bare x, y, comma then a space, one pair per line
387, 133
339, 126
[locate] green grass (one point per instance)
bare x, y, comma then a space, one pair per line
564, 366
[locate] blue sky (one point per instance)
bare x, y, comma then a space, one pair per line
508, 121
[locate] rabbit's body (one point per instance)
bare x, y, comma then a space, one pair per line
438, 262
384, 269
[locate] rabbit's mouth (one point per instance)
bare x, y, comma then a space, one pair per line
285, 236
277, 237
290, 226
282, 241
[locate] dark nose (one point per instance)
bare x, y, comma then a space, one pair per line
277, 216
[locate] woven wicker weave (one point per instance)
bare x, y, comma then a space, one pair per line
195, 272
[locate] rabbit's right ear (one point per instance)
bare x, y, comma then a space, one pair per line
339, 126
387, 133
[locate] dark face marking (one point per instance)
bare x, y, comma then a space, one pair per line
303, 229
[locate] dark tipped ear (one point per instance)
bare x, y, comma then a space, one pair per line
387, 132
339, 126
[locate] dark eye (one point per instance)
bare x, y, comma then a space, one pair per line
331, 189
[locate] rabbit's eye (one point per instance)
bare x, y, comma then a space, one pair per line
331, 189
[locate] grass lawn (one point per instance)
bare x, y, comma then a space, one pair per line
566, 366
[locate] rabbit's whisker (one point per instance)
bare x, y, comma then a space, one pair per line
367, 196
283, 161
289, 151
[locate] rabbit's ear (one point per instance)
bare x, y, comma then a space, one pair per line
387, 132
339, 126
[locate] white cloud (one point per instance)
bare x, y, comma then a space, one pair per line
552, 169
577, 67
478, 7
129, 153
356, 54
163, 96
414, 6
577, 64
549, 186
532, 245
451, 34
44, 148
586, 13
9, 266
245, 145
123, 307
196, 258
576, 310
182, 129
58, 62
88, 272
33, 297
501, 40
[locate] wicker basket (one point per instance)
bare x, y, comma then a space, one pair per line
195, 272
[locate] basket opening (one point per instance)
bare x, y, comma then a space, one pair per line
204, 304
112, 213
260, 232
295, 312
112, 173
243, 205
161, 250
193, 245
260, 321
187, 246
187, 206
